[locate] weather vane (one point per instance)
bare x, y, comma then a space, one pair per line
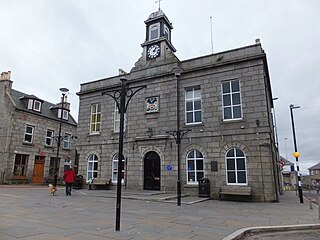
159, 1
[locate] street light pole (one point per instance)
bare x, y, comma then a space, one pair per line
55, 176
296, 153
119, 96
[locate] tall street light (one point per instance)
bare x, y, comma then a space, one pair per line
64, 91
296, 153
178, 134
119, 96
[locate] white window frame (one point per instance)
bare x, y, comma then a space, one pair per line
66, 141
232, 105
95, 118
65, 114
154, 26
193, 99
116, 120
92, 167
30, 104
236, 171
166, 32
28, 133
37, 105
193, 174
49, 137
115, 161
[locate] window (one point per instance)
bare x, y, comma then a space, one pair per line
231, 100
236, 167
115, 161
92, 169
54, 165
166, 32
195, 169
34, 105
116, 118
95, 120
154, 31
193, 106
66, 141
28, 135
65, 114
49, 137
20, 165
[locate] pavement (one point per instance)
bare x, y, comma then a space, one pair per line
30, 213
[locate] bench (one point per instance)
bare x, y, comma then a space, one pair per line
101, 183
236, 191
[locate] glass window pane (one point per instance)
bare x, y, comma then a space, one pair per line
189, 117
240, 164
225, 87
95, 165
189, 106
235, 86
190, 165
198, 116
90, 166
95, 174
236, 98
226, 100
189, 94
199, 164
191, 154
242, 177
230, 164
230, 153
237, 112
199, 175
227, 113
98, 107
231, 177
197, 93
197, 105
239, 153
199, 154
191, 177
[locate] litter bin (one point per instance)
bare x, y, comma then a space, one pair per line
78, 182
204, 187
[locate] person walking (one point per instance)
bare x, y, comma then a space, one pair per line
69, 176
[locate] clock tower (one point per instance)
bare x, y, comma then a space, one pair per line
158, 37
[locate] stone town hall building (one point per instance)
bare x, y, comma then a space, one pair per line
225, 105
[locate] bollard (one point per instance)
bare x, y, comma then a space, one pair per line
310, 199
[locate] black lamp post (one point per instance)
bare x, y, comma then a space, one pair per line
296, 153
178, 134
119, 96
59, 138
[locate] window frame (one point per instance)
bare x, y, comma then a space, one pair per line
151, 27
66, 141
115, 160
116, 120
65, 114
49, 138
19, 166
235, 159
94, 169
95, 114
193, 100
231, 93
195, 159
29, 134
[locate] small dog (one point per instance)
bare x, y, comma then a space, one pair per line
53, 189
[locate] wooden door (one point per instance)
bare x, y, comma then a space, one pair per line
38, 170
152, 171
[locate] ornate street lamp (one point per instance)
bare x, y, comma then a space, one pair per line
296, 154
119, 96
64, 91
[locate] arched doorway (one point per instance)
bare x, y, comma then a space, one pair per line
152, 171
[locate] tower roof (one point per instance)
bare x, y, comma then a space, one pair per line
157, 15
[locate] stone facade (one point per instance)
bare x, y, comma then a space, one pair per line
21, 160
213, 136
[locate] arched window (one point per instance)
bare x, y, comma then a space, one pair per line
154, 31
115, 161
236, 167
92, 169
194, 166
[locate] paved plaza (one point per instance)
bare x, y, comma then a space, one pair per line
30, 213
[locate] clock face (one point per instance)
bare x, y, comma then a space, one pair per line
153, 51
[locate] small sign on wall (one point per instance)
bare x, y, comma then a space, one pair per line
168, 167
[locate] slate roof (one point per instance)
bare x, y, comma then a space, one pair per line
46, 110
315, 167
287, 162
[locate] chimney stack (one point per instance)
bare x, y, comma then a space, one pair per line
5, 75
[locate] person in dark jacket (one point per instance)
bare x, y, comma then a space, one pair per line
69, 177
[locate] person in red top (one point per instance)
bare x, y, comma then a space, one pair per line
69, 177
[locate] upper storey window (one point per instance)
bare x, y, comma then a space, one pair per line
95, 120
231, 100
34, 105
193, 106
154, 31
166, 32
65, 114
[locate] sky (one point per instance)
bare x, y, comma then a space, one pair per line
49, 44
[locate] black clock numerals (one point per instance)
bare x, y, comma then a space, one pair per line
153, 51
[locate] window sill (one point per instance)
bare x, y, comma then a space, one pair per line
94, 134
194, 124
28, 143
236, 120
